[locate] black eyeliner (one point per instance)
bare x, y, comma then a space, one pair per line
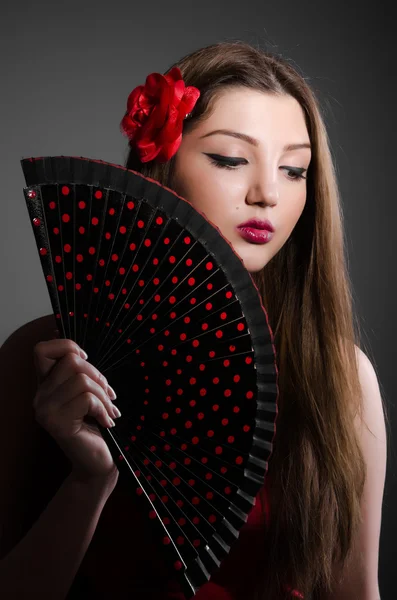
226, 159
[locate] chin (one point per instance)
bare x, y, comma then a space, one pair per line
252, 256
252, 265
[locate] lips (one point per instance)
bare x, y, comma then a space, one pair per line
257, 224
255, 236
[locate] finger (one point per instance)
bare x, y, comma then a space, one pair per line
67, 421
93, 408
76, 385
46, 353
69, 365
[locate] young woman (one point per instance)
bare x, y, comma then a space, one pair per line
253, 146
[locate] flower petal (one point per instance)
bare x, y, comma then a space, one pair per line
132, 101
178, 93
192, 94
154, 82
173, 75
169, 150
155, 113
147, 150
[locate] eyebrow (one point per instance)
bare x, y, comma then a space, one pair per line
253, 141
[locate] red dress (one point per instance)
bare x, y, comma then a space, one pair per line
123, 562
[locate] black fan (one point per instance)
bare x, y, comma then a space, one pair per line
168, 313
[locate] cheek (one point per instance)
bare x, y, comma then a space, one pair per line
207, 190
292, 212
218, 208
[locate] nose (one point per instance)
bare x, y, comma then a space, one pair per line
264, 192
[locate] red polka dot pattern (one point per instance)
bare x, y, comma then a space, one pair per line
158, 316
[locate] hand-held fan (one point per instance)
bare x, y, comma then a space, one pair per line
166, 310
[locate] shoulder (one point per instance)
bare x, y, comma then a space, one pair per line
373, 440
371, 424
18, 380
372, 402
33, 331
360, 573
28, 460
366, 368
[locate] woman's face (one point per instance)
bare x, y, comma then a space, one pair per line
263, 180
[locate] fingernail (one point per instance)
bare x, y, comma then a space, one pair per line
85, 355
111, 393
112, 423
116, 412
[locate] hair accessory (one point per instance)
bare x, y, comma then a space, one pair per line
155, 112
166, 310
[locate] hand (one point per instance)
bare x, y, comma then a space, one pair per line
70, 390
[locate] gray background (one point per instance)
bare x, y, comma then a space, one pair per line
66, 72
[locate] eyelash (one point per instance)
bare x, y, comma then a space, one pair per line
228, 163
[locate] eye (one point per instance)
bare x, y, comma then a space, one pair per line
226, 162
297, 173
232, 162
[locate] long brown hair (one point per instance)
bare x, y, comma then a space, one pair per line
317, 470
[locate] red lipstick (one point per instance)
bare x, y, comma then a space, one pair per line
256, 231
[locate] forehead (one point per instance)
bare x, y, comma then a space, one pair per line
258, 114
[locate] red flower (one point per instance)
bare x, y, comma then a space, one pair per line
155, 113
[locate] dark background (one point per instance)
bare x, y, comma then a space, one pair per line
66, 71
